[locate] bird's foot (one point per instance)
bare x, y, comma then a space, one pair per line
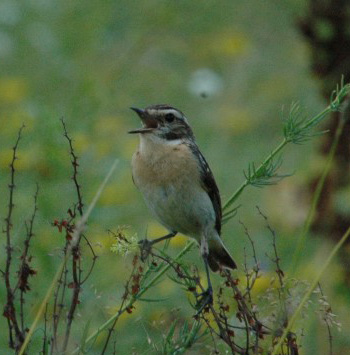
205, 300
146, 248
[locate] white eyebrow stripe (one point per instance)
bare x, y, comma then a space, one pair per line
174, 112
165, 112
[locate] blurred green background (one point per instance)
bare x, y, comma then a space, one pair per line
230, 66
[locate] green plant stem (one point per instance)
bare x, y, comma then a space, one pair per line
235, 195
276, 348
77, 232
318, 118
333, 106
136, 297
316, 196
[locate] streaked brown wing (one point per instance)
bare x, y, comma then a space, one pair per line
209, 185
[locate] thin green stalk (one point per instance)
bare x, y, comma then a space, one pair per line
136, 297
309, 291
335, 104
77, 232
235, 195
330, 108
316, 196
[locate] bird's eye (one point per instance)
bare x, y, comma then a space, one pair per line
169, 117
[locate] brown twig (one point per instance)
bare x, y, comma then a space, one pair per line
278, 270
292, 345
76, 267
77, 272
245, 313
75, 165
251, 275
94, 258
276, 259
75, 297
25, 270
125, 296
16, 336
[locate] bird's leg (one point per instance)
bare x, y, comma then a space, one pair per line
206, 296
146, 245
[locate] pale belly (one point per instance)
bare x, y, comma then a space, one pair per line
182, 209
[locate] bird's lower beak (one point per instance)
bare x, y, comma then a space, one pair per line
149, 123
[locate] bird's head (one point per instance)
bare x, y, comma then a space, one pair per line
163, 121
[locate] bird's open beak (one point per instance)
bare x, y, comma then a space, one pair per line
149, 123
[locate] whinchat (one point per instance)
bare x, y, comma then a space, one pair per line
177, 183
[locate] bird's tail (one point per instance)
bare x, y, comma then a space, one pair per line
219, 256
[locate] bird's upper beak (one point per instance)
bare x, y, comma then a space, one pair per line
149, 123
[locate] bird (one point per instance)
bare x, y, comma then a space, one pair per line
178, 186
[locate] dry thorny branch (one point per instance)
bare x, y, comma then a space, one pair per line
16, 325
67, 225
71, 277
14, 308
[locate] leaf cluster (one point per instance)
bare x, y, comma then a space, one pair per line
265, 175
296, 128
